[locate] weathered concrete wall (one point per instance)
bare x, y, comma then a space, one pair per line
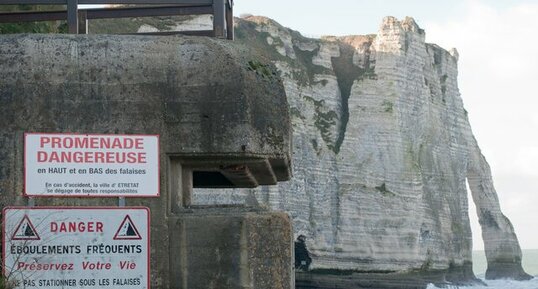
247, 249
210, 101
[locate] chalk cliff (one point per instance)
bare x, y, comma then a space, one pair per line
382, 153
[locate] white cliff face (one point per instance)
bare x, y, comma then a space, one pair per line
382, 152
502, 248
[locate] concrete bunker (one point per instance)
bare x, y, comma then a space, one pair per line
221, 123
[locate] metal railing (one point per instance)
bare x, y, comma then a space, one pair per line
77, 19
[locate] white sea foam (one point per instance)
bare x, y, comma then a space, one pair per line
502, 284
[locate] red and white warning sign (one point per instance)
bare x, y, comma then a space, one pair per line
82, 247
127, 230
25, 230
91, 165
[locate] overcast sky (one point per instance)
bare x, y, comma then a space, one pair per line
497, 41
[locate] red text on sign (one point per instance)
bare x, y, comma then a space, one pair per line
91, 142
74, 227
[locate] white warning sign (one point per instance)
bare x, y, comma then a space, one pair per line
91, 165
83, 247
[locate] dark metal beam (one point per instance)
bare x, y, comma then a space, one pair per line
72, 16
190, 32
34, 2
222, 11
32, 16
230, 20
152, 2
64, 2
83, 22
147, 11
219, 19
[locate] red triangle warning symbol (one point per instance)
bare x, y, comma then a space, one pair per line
127, 230
25, 230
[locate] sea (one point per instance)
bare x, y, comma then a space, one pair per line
530, 264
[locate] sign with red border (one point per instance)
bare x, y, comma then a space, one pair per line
127, 230
76, 247
25, 230
91, 165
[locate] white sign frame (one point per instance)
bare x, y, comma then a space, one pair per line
81, 165
95, 226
